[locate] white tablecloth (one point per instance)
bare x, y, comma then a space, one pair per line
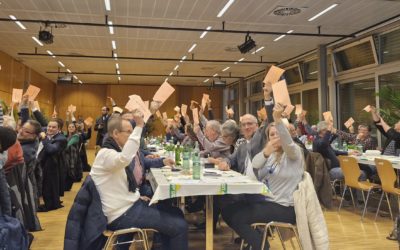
167, 184
370, 160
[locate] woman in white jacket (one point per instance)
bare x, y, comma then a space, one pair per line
280, 166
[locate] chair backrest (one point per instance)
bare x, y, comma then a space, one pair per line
386, 174
351, 170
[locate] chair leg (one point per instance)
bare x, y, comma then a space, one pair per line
280, 238
341, 201
352, 198
298, 239
379, 205
365, 206
390, 208
242, 244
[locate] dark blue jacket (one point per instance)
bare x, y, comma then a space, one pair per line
86, 221
322, 145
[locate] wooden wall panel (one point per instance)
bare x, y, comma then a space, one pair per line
14, 74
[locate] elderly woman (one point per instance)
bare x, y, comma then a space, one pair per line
280, 166
230, 133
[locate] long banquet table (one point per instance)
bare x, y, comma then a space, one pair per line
169, 184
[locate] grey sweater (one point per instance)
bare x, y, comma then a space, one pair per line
281, 177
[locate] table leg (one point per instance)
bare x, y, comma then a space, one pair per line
209, 223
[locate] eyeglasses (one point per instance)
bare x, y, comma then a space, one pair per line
247, 124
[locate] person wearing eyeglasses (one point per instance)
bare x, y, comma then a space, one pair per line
280, 166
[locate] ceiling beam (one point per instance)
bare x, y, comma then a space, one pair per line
148, 27
146, 58
133, 74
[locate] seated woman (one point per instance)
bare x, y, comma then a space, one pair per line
280, 166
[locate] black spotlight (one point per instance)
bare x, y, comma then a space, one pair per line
46, 36
248, 45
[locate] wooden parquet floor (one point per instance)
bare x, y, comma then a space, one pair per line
346, 231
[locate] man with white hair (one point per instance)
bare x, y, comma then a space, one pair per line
211, 140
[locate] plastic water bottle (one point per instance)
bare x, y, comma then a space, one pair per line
345, 148
186, 160
178, 154
196, 162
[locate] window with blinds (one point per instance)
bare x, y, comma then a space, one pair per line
390, 46
356, 56
292, 75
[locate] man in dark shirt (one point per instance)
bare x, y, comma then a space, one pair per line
101, 126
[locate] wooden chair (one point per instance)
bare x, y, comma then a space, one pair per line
288, 232
388, 179
351, 172
113, 235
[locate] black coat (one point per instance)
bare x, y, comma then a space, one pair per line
86, 221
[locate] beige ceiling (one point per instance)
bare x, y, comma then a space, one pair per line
256, 15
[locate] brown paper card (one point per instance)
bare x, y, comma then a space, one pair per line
165, 116
33, 92
328, 116
281, 94
163, 92
158, 114
177, 109
118, 110
17, 95
88, 121
299, 109
349, 122
273, 75
147, 103
367, 108
183, 110
195, 114
289, 109
136, 102
204, 101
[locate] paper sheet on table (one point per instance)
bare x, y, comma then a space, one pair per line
299, 109
164, 115
204, 101
289, 109
88, 121
367, 108
136, 102
328, 116
195, 114
33, 92
163, 92
17, 95
183, 110
281, 94
158, 114
118, 110
273, 75
36, 105
349, 122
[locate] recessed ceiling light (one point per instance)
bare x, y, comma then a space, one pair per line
241, 59
282, 36
176, 67
61, 64
37, 41
215, 75
166, 79
69, 71
107, 4
117, 65
322, 12
206, 80
226, 69
227, 5
170, 74
259, 49
50, 53
115, 56
118, 72
113, 44
76, 78
205, 32
192, 48
80, 82
119, 78
110, 27
17, 22
183, 58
